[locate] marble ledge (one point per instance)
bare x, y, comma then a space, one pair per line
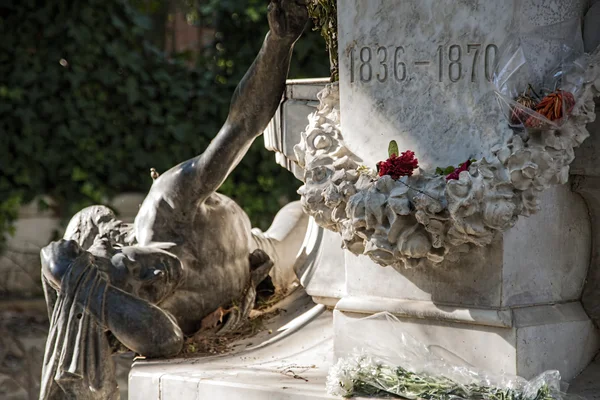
426, 310
329, 302
501, 318
305, 89
265, 373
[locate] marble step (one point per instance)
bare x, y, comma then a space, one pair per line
291, 363
284, 366
587, 384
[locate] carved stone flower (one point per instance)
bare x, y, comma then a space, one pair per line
558, 139
414, 242
530, 167
319, 174
464, 195
380, 250
499, 213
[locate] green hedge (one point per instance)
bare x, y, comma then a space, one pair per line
88, 106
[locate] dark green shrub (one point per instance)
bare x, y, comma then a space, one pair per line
87, 106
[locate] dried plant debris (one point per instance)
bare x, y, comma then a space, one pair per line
324, 16
205, 343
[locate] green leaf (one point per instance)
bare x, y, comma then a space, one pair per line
117, 22
444, 171
132, 90
393, 148
79, 174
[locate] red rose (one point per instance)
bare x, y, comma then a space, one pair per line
463, 167
398, 166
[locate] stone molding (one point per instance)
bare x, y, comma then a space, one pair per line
419, 309
589, 188
424, 219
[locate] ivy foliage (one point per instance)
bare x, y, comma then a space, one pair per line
88, 105
324, 15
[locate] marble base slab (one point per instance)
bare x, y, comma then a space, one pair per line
266, 373
523, 341
587, 384
294, 368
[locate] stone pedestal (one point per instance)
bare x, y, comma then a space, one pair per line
522, 341
420, 73
510, 308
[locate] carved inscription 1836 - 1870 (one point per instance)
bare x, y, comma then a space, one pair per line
452, 63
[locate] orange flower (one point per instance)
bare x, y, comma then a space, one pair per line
554, 107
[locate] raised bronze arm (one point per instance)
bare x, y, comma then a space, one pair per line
254, 102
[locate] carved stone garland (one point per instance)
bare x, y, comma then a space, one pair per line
424, 218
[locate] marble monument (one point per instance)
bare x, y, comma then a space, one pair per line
190, 253
470, 277
522, 296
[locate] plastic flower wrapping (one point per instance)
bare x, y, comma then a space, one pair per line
388, 361
540, 95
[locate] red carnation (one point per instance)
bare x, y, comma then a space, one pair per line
398, 166
463, 167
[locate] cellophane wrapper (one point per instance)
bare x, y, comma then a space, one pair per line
370, 368
546, 58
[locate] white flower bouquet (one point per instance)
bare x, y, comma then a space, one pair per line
410, 370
